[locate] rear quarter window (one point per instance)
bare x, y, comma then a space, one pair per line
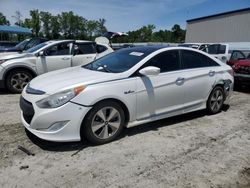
191, 59
100, 48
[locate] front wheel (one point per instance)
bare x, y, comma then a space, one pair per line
103, 123
17, 80
215, 100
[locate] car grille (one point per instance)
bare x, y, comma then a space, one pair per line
243, 70
28, 110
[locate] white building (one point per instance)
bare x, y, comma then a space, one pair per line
231, 26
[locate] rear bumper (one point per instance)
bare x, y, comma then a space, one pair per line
228, 90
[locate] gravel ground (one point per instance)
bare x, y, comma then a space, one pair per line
192, 150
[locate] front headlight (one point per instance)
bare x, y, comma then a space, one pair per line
59, 99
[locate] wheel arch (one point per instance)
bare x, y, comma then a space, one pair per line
122, 104
9, 70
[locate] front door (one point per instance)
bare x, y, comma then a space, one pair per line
161, 94
55, 57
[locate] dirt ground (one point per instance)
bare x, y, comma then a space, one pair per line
192, 150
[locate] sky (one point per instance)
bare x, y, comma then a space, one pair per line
125, 15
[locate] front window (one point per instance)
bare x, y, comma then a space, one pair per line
237, 55
22, 44
37, 47
166, 61
58, 49
119, 61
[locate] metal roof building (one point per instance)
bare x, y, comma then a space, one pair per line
233, 26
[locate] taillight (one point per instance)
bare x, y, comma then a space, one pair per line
231, 71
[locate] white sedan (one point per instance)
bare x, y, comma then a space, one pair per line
126, 88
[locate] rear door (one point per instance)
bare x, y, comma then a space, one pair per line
55, 57
199, 73
84, 53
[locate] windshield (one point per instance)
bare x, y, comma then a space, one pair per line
22, 44
118, 61
37, 47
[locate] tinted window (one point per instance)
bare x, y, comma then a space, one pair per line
101, 48
215, 49
118, 61
37, 47
192, 59
236, 55
222, 49
59, 49
166, 61
88, 48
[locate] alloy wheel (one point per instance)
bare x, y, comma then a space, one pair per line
19, 81
216, 100
106, 122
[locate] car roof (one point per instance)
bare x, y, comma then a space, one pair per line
144, 49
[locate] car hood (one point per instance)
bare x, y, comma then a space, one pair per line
14, 55
244, 62
60, 80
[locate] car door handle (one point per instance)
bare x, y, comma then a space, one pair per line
66, 58
211, 73
88, 57
180, 81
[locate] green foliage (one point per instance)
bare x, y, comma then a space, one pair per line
35, 22
3, 20
68, 25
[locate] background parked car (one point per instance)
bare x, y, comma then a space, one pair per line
24, 45
198, 46
223, 51
7, 44
17, 70
240, 62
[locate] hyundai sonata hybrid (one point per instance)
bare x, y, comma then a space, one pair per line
123, 89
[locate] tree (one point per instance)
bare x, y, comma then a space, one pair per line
178, 35
55, 27
3, 20
45, 18
17, 17
35, 22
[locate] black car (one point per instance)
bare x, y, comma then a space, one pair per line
24, 45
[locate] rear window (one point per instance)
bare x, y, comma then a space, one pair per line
100, 48
81, 48
191, 59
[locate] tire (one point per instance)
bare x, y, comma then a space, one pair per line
99, 127
215, 100
17, 80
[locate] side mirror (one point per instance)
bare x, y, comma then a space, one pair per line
41, 53
150, 71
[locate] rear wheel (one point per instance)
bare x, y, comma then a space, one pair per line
215, 100
17, 80
103, 123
